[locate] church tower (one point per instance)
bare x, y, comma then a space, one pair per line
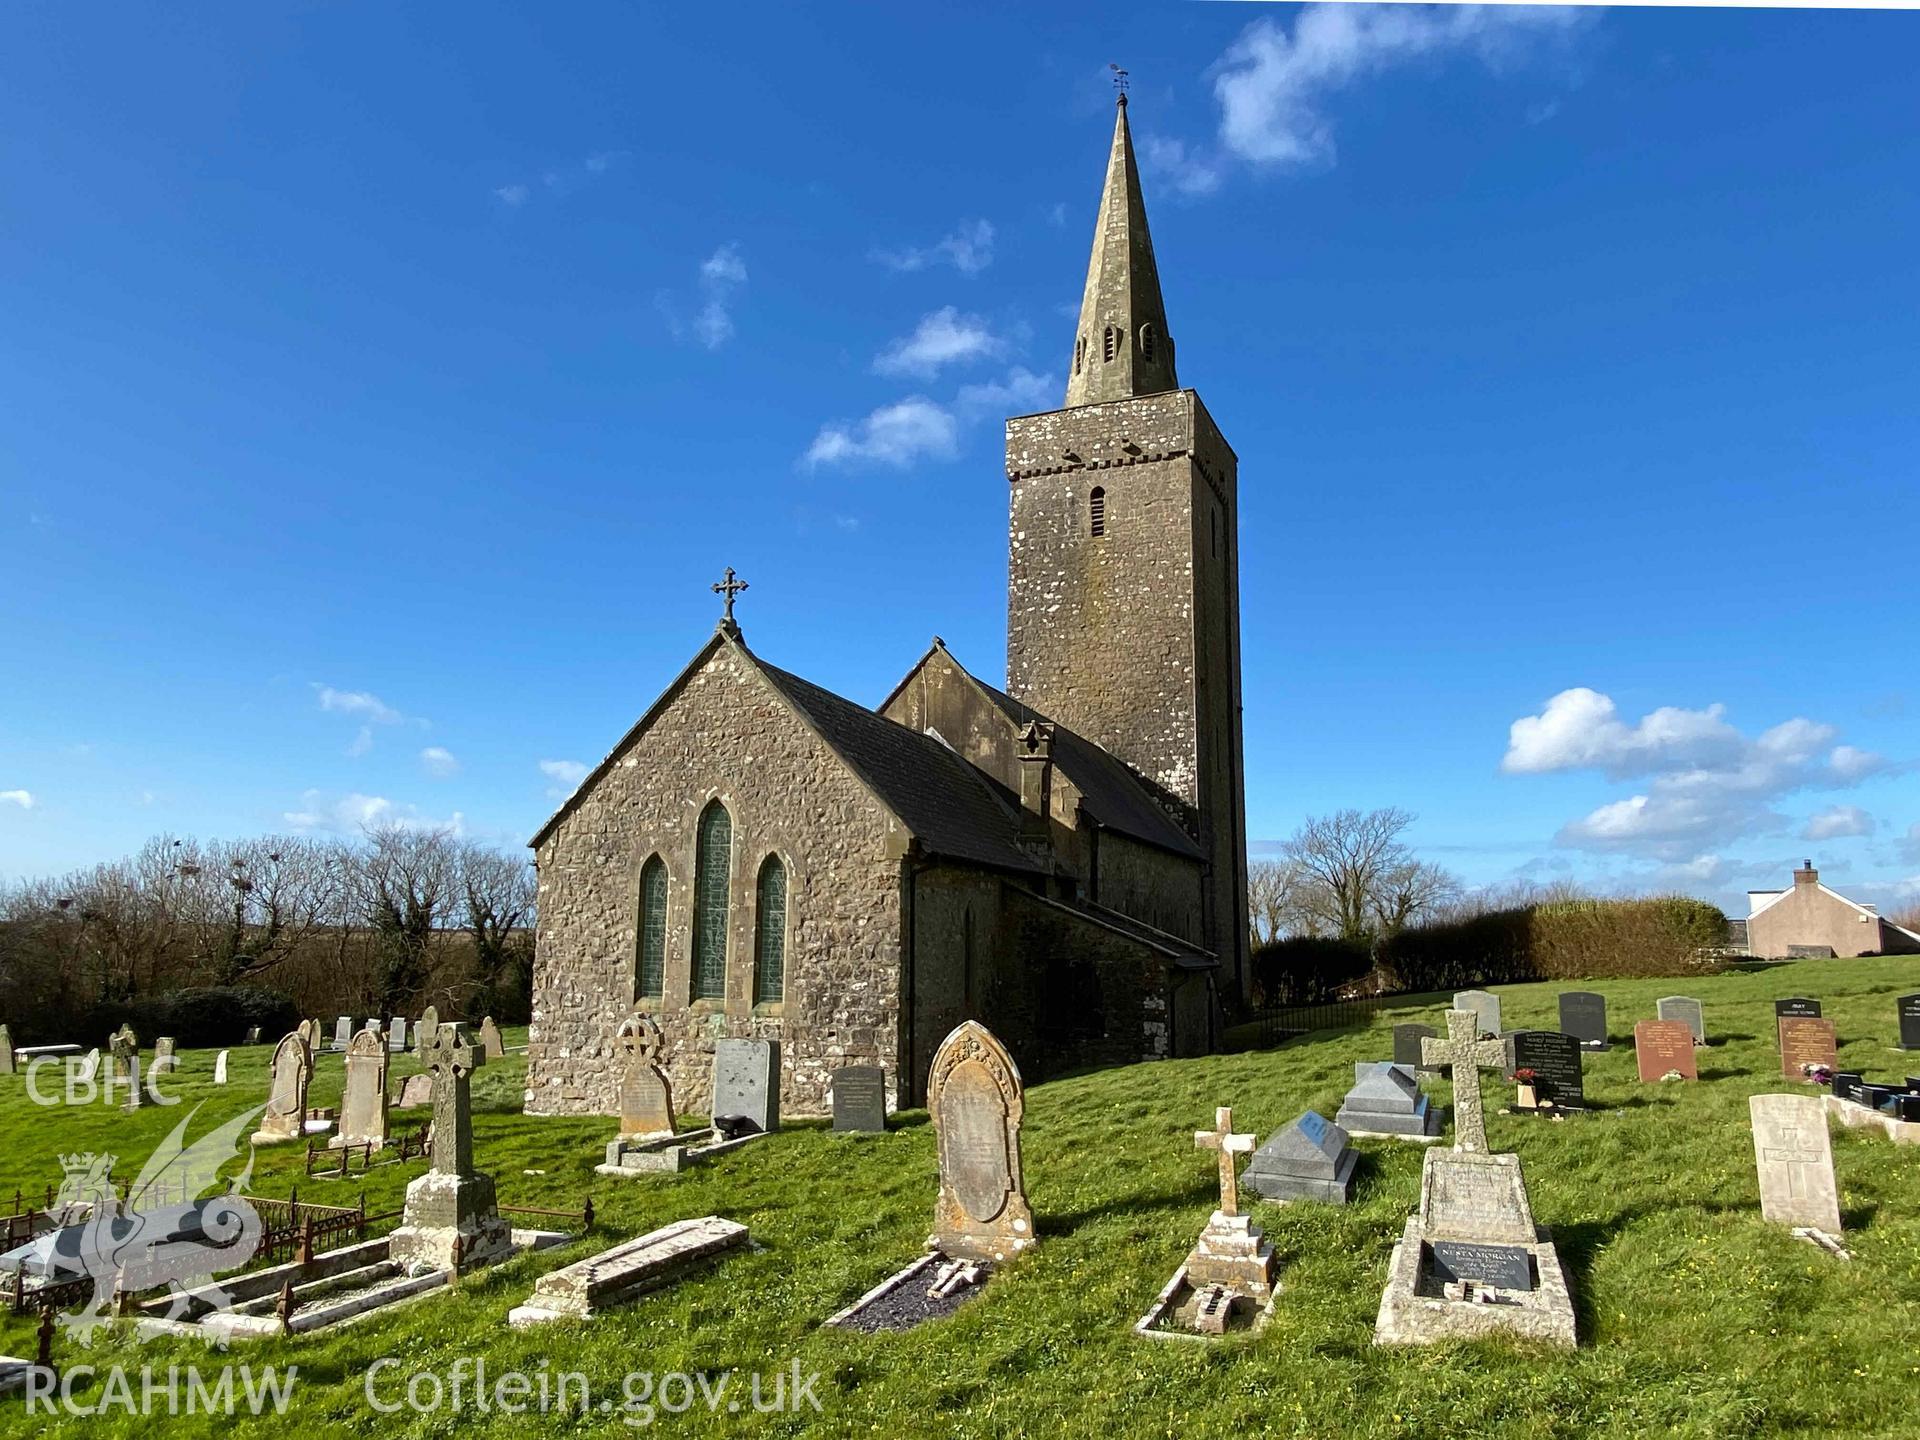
1123, 591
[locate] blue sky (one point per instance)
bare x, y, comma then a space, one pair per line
383, 390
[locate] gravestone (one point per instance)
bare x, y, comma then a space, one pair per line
1386, 1101
309, 1030
630, 1269
1796, 1005
859, 1098
415, 1090
1230, 1252
1806, 1040
1661, 1046
746, 1083
1554, 1059
976, 1101
397, 1035
1471, 1261
450, 1221
124, 1064
1909, 1007
6, 1052
1795, 1160
163, 1049
286, 1113
363, 1104
1583, 1015
1406, 1044
1309, 1160
343, 1032
253, 1035
1484, 1007
421, 1029
220, 1068
496, 1048
646, 1098
1684, 1007
90, 1067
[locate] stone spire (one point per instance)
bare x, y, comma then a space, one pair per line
1122, 347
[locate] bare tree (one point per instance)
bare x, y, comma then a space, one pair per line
1411, 892
1278, 904
1347, 860
406, 882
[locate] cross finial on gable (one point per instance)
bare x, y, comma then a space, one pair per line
1222, 1139
729, 587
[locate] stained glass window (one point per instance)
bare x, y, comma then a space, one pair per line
770, 936
713, 869
650, 973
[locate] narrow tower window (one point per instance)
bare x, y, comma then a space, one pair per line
1113, 338
1146, 343
1097, 512
713, 871
770, 934
650, 968
1079, 353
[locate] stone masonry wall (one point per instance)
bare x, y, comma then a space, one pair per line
725, 734
1133, 638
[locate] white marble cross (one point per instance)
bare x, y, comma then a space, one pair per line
1229, 1145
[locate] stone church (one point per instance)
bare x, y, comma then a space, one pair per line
1063, 859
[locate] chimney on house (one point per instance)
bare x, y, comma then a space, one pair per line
1036, 780
1806, 875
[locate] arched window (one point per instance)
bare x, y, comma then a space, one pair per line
1146, 343
1113, 342
713, 872
650, 967
1097, 512
770, 933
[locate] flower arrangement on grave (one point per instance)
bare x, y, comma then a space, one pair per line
1533, 1095
1817, 1074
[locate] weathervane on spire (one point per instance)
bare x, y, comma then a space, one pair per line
729, 587
1119, 81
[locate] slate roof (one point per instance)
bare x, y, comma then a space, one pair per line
1116, 796
953, 808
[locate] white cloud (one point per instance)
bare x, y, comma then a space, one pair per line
1273, 86
1706, 781
513, 196
911, 429
22, 798
439, 761
354, 812
358, 702
362, 743
1909, 846
721, 277
1838, 822
1018, 392
567, 773
1187, 168
969, 249
945, 337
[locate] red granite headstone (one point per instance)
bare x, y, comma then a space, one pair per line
1806, 1040
1663, 1045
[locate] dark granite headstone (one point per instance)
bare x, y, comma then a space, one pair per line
1386, 1100
1845, 1082
1906, 1107
1554, 1059
1583, 1015
1874, 1097
1507, 1267
1684, 1007
1909, 1006
746, 1082
1796, 1005
1406, 1044
859, 1098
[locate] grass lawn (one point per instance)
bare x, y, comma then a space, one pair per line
1696, 1319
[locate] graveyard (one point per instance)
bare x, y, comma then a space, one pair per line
1695, 1315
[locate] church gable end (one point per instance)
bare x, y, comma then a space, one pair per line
724, 767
